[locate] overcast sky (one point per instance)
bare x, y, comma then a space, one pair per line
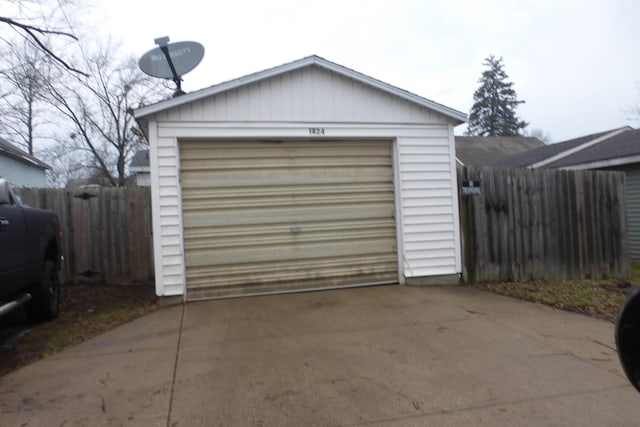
576, 63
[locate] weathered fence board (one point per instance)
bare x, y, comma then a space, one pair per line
106, 232
544, 224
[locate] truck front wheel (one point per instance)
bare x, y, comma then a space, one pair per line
45, 302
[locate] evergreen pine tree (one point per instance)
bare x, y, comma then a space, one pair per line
495, 101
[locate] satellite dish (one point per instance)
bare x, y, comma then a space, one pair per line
171, 60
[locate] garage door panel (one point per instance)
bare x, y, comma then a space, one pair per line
261, 179
286, 216
284, 238
276, 252
291, 163
276, 149
253, 230
288, 202
212, 196
289, 216
290, 276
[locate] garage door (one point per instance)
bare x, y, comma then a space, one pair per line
276, 216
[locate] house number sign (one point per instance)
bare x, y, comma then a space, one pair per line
316, 131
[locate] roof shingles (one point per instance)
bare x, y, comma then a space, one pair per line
626, 144
484, 150
531, 157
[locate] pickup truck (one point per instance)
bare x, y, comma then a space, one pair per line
30, 257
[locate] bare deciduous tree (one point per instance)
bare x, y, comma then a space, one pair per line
540, 134
633, 113
103, 132
38, 22
23, 80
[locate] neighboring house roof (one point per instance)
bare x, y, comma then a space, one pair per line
313, 60
14, 152
549, 154
484, 150
140, 162
622, 148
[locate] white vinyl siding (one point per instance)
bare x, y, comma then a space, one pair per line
21, 174
428, 241
311, 94
284, 107
429, 211
167, 218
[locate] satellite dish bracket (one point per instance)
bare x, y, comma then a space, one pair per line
162, 44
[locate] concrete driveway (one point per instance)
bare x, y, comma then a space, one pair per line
392, 356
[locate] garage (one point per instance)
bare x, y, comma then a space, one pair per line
304, 176
272, 216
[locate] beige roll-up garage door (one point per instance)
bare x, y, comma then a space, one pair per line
273, 216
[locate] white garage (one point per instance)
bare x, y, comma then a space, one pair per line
305, 176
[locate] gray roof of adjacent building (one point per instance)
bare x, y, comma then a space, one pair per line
537, 155
14, 152
625, 144
484, 150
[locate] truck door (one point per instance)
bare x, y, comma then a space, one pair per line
13, 247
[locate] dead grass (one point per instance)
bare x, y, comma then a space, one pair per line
596, 298
85, 312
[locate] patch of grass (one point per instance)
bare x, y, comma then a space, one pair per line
634, 274
596, 298
85, 312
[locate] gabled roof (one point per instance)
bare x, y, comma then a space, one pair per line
484, 150
544, 156
14, 152
296, 65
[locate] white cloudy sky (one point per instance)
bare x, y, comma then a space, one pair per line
576, 63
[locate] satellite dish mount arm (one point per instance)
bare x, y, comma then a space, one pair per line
162, 43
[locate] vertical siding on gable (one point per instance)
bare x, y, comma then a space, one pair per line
306, 95
428, 193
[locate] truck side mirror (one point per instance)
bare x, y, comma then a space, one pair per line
628, 337
5, 195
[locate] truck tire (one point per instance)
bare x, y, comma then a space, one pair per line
45, 302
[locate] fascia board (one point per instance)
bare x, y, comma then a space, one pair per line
600, 164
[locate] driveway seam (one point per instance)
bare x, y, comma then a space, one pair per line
175, 366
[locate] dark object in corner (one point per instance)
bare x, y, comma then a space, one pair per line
628, 336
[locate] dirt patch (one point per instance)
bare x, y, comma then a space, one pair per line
85, 311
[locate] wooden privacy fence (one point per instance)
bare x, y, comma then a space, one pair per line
106, 232
543, 224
